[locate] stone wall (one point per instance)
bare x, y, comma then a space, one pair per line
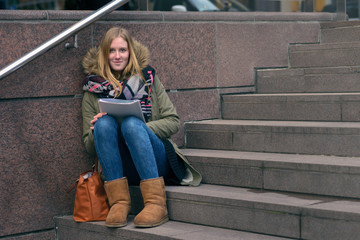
197, 56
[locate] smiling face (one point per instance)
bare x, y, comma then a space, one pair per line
118, 54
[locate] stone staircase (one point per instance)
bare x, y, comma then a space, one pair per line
282, 163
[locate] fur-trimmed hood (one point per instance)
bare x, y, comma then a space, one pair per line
89, 61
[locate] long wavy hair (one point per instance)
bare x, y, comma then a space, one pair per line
105, 70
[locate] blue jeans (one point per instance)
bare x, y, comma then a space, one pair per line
133, 151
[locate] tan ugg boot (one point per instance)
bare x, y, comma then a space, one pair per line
118, 195
155, 212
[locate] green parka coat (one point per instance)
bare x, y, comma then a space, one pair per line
164, 120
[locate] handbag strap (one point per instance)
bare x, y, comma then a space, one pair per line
72, 186
96, 165
95, 169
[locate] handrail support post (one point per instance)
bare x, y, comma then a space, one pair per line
74, 45
341, 10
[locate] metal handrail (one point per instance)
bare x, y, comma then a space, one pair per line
61, 37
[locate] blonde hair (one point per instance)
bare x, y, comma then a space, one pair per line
105, 71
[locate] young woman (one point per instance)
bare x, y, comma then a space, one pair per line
133, 152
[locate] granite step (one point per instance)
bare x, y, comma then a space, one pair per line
296, 216
324, 55
292, 107
300, 137
308, 80
312, 174
346, 31
67, 229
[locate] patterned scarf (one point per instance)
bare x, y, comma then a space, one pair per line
133, 88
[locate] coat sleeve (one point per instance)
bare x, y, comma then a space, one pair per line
164, 120
89, 110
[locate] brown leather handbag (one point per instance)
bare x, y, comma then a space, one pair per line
90, 199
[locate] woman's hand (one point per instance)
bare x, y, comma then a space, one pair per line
96, 117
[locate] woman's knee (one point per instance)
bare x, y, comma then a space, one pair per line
131, 125
106, 123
